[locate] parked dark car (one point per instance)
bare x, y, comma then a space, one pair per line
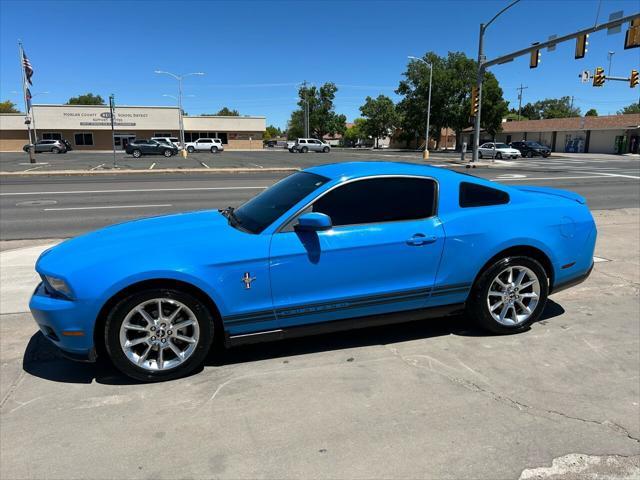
140, 147
531, 149
53, 146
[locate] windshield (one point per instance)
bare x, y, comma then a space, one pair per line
501, 145
263, 209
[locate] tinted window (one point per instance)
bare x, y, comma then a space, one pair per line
379, 200
204, 141
501, 145
474, 195
262, 210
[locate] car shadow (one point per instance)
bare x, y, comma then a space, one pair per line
43, 360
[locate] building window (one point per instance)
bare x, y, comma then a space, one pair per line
51, 136
223, 137
83, 139
162, 134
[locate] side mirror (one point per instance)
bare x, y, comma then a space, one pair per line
313, 222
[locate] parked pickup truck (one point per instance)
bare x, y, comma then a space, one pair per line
213, 145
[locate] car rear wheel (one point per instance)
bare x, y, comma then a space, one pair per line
509, 295
159, 334
167, 153
479, 154
191, 149
55, 150
499, 156
214, 149
304, 149
136, 153
529, 154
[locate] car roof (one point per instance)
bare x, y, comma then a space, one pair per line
348, 170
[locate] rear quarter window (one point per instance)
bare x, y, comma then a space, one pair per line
474, 195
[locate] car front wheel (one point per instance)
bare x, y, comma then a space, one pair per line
325, 150
159, 334
509, 295
479, 154
137, 153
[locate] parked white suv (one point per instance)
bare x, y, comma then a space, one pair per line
304, 145
212, 145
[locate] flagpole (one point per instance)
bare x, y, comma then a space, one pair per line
32, 158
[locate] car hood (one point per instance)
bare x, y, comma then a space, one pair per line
166, 237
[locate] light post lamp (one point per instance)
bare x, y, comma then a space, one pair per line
179, 79
425, 155
481, 68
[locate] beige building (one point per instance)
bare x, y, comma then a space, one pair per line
88, 127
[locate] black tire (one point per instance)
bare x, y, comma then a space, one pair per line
498, 156
325, 150
529, 154
191, 149
291, 150
55, 150
214, 149
167, 153
477, 306
304, 150
136, 153
479, 154
117, 315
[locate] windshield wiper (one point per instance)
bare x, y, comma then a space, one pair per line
229, 212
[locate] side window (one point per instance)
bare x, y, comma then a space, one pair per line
302, 141
474, 195
379, 200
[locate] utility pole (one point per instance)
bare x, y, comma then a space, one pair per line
520, 89
425, 154
306, 109
112, 106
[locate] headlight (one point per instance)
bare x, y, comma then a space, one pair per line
58, 285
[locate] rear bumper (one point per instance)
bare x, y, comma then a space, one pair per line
571, 282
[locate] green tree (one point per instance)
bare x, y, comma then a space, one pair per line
379, 117
453, 78
592, 112
354, 133
86, 99
323, 120
271, 132
550, 108
633, 108
226, 112
8, 107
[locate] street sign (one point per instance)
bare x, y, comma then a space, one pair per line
552, 46
617, 28
585, 76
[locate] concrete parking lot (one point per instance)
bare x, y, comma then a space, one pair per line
433, 399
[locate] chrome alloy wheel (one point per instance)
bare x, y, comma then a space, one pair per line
513, 295
159, 334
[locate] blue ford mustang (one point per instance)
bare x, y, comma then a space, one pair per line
332, 247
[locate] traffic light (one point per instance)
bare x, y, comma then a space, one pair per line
475, 104
581, 45
632, 37
535, 57
633, 79
598, 77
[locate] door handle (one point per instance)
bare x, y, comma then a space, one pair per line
421, 239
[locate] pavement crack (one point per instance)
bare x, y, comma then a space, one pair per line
12, 389
505, 400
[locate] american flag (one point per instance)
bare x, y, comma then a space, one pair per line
28, 69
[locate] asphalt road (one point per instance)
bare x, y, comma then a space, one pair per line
64, 206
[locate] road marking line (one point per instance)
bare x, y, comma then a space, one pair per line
152, 165
34, 168
75, 192
616, 175
600, 259
96, 167
107, 207
552, 178
204, 164
256, 165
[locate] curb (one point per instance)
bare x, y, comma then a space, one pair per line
148, 172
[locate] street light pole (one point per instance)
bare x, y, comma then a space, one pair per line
481, 69
425, 154
180, 115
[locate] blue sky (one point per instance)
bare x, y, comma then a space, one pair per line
254, 53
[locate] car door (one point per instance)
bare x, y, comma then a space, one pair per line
153, 147
204, 144
380, 256
314, 145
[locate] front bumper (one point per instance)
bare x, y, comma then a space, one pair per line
65, 323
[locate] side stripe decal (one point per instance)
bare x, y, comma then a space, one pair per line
346, 304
